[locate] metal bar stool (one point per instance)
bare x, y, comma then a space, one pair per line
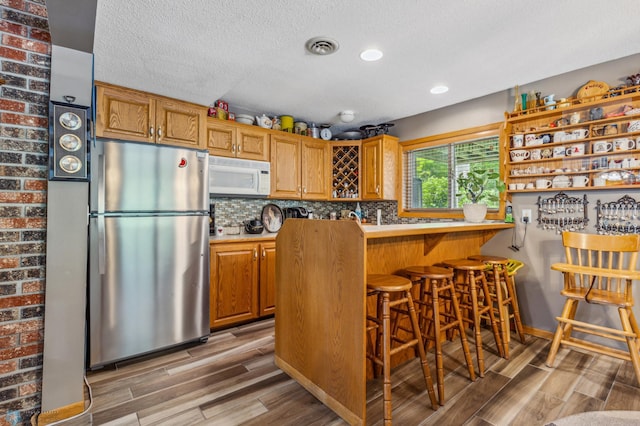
382, 286
500, 281
472, 283
436, 289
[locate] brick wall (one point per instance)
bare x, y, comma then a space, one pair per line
25, 66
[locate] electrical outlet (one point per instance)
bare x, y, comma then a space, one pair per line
526, 215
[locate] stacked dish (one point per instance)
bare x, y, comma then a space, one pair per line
244, 118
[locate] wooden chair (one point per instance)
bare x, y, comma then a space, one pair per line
599, 269
380, 352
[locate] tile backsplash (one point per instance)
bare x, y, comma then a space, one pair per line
233, 211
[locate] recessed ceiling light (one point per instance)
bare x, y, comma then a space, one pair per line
370, 55
436, 90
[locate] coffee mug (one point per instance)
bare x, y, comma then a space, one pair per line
577, 149
559, 136
580, 133
611, 129
520, 186
623, 144
543, 183
528, 138
602, 146
598, 181
536, 154
559, 151
517, 140
579, 181
512, 186
519, 154
575, 118
529, 186
633, 126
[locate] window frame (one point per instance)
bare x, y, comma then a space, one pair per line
472, 133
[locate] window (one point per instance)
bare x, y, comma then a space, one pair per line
431, 165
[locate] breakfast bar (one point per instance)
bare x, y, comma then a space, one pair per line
321, 301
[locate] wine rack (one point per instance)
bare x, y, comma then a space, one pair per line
345, 170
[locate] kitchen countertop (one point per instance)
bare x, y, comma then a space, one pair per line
265, 236
382, 231
396, 230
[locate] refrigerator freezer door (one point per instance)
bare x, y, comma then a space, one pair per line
130, 176
153, 291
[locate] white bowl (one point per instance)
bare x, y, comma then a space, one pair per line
244, 119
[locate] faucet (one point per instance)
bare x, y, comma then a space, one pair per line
355, 215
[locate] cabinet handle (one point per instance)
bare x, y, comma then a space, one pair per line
304, 189
159, 132
299, 189
377, 189
255, 254
264, 253
151, 131
233, 148
239, 148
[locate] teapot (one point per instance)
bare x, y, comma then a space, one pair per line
264, 121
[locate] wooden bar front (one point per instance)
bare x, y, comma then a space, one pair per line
321, 271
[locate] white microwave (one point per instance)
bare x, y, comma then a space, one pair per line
234, 176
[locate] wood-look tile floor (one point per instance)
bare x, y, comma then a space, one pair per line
232, 380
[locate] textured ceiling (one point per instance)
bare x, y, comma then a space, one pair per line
252, 53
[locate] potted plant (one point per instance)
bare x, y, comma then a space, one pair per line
474, 188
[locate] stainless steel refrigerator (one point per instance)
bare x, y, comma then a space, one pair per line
148, 249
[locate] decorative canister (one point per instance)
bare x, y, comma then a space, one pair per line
286, 123
313, 131
300, 128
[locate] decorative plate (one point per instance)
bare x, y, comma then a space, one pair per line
272, 217
592, 90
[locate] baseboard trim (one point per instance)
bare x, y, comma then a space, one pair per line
538, 333
61, 413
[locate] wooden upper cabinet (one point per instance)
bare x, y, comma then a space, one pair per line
138, 116
315, 169
229, 139
285, 166
299, 168
379, 168
179, 123
124, 114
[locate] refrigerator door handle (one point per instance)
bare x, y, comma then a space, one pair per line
102, 249
101, 184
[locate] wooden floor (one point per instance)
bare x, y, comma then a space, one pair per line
232, 380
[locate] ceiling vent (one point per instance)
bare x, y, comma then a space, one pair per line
322, 46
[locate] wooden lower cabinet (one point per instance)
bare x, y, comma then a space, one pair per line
267, 278
242, 282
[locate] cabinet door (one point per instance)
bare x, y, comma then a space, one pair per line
124, 114
179, 123
221, 138
372, 170
315, 170
233, 283
267, 278
285, 167
253, 144
380, 168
